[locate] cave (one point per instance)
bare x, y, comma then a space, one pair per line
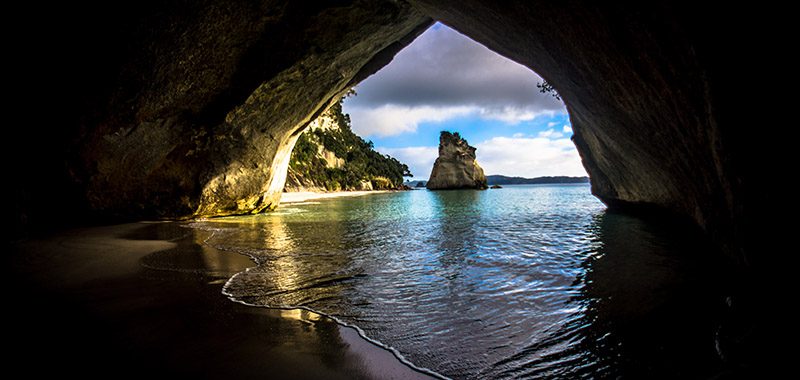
186, 109
178, 110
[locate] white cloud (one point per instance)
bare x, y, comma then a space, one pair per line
551, 124
551, 134
391, 120
529, 157
511, 115
567, 129
418, 158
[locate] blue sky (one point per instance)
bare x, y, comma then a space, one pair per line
446, 81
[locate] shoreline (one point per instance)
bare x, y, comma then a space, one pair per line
294, 197
148, 297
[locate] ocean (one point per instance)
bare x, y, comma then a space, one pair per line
527, 281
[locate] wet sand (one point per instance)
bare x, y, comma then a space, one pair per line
304, 196
144, 299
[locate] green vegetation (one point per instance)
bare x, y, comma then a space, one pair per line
361, 162
547, 88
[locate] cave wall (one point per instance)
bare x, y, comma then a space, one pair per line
185, 108
191, 108
651, 92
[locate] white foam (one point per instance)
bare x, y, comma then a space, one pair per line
358, 329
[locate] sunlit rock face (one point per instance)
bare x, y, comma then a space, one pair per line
456, 167
295, 181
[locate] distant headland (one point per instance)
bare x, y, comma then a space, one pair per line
505, 180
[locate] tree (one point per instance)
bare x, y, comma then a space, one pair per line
361, 162
547, 88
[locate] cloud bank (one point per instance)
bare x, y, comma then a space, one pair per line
444, 74
392, 119
529, 157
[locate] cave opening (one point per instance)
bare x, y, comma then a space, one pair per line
179, 111
443, 81
446, 247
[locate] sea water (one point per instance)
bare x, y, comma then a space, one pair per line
528, 281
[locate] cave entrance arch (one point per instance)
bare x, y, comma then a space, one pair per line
635, 88
181, 111
441, 81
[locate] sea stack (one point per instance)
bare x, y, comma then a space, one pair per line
456, 167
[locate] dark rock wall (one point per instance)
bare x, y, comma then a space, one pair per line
187, 108
650, 88
190, 108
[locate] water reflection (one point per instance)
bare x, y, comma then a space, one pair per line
528, 282
456, 233
257, 342
283, 276
649, 304
191, 255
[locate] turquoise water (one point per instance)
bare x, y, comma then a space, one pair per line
524, 281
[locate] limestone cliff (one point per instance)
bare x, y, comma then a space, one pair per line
329, 156
456, 168
296, 177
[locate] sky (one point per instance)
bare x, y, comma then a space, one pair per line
446, 81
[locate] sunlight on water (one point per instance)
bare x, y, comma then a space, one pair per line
526, 281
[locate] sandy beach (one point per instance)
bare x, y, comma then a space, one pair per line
144, 299
305, 196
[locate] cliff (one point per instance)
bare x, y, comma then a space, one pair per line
309, 155
328, 156
456, 168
